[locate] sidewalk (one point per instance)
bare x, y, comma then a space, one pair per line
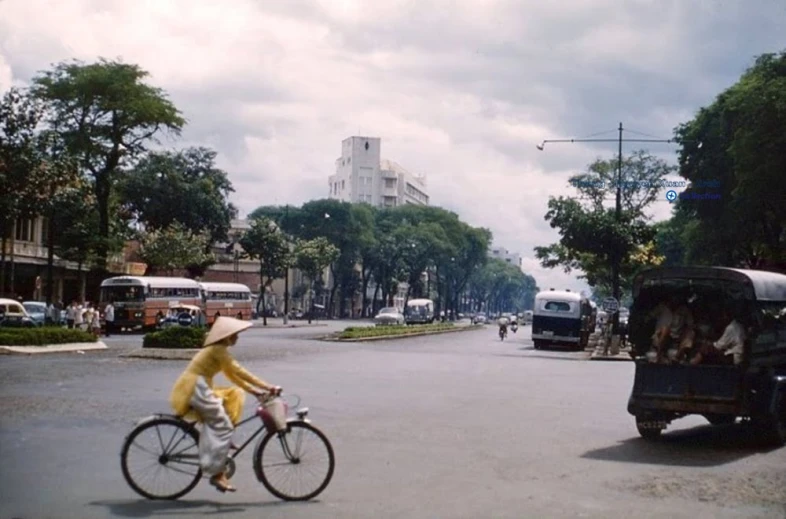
596, 343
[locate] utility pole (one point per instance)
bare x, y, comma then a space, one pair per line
286, 273
616, 255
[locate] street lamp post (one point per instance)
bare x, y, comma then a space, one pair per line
616, 256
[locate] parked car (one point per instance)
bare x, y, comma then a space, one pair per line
13, 314
389, 316
36, 310
183, 315
480, 319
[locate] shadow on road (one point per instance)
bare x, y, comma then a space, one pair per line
147, 508
703, 446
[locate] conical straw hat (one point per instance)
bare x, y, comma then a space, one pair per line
224, 327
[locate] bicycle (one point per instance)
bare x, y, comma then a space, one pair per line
503, 332
180, 454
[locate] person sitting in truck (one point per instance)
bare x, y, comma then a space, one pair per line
674, 328
726, 350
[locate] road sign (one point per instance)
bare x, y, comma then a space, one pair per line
185, 319
610, 305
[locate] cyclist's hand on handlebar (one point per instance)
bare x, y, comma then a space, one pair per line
276, 390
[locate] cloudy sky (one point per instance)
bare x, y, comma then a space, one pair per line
458, 90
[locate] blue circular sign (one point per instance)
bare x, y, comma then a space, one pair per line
185, 319
671, 195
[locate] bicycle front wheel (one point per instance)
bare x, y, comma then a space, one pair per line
296, 464
160, 459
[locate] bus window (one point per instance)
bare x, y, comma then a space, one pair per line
557, 306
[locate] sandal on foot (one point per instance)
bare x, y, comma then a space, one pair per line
221, 487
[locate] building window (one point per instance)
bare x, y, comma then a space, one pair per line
390, 182
342, 184
24, 230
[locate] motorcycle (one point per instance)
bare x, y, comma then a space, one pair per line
514, 327
503, 332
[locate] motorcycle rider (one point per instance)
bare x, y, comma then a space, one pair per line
514, 323
503, 325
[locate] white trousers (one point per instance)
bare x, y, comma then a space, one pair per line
216, 431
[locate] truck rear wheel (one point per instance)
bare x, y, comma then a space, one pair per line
648, 429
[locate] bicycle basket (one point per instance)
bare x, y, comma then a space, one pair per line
274, 414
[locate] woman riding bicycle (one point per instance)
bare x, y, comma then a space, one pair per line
217, 409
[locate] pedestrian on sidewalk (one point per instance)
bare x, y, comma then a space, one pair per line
109, 318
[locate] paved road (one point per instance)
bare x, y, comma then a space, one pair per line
456, 425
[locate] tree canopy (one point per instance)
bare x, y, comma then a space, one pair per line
735, 148
591, 236
107, 115
180, 186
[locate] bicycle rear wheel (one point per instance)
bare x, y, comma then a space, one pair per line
160, 459
296, 464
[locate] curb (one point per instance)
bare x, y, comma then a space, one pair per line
621, 357
284, 326
404, 336
161, 353
79, 347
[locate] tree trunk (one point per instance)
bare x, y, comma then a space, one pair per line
311, 302
50, 260
262, 292
82, 283
2, 262
12, 261
375, 299
364, 279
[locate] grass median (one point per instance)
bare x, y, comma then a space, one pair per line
368, 332
43, 336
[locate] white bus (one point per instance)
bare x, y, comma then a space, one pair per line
142, 301
227, 299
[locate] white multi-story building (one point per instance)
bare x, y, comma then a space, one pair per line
514, 258
362, 176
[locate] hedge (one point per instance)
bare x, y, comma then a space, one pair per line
43, 336
355, 332
176, 337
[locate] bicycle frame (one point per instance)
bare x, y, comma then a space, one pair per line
245, 444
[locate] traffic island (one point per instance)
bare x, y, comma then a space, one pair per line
280, 324
381, 333
76, 347
162, 353
30, 341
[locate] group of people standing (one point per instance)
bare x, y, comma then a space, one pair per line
87, 317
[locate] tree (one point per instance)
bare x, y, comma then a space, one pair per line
174, 248
592, 239
58, 175
265, 242
73, 227
107, 115
735, 149
20, 115
183, 186
312, 257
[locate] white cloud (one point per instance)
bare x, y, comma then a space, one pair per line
460, 91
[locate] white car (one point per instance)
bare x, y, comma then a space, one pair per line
389, 316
